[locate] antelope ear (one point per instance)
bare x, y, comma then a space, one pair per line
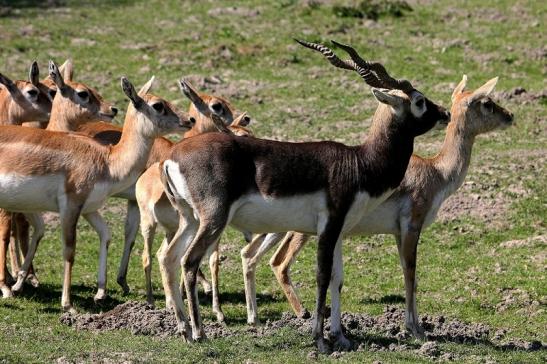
460, 88
386, 98
147, 86
484, 90
34, 74
242, 120
56, 77
194, 97
219, 123
8, 83
130, 92
67, 70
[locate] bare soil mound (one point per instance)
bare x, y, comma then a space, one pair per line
376, 333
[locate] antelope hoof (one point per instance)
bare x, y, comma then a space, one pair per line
6, 292
322, 346
18, 286
100, 296
341, 343
220, 316
200, 336
10, 281
304, 314
417, 331
150, 300
207, 289
123, 283
34, 282
71, 310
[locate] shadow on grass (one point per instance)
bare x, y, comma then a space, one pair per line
82, 298
389, 299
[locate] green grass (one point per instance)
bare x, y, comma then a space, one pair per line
300, 97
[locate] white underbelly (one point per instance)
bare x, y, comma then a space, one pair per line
96, 199
261, 214
382, 220
30, 193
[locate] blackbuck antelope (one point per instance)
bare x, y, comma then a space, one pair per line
201, 109
20, 101
428, 182
72, 174
156, 209
322, 188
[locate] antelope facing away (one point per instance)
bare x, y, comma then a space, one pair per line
156, 209
428, 182
73, 174
20, 101
321, 188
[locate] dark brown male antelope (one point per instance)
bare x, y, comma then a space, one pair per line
411, 208
321, 188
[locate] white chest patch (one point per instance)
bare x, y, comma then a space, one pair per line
96, 199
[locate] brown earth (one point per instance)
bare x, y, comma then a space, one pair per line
374, 333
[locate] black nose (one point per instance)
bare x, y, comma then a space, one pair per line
114, 110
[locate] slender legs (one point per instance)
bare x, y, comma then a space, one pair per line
99, 225
281, 263
5, 228
407, 245
132, 218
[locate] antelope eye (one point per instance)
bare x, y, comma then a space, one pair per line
217, 107
420, 103
158, 106
52, 93
32, 93
83, 94
488, 105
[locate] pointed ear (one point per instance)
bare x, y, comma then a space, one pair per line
219, 123
460, 88
242, 120
34, 74
147, 86
130, 92
8, 83
189, 91
484, 90
56, 77
67, 70
386, 98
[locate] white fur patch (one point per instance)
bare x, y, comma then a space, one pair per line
261, 214
20, 193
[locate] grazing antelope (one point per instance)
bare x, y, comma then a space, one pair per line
72, 174
322, 188
156, 209
20, 101
428, 182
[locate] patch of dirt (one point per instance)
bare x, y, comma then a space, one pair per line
528, 242
489, 207
520, 95
142, 319
235, 89
139, 318
234, 11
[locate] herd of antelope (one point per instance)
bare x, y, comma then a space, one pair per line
60, 152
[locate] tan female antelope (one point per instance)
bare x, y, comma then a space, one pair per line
413, 206
156, 209
73, 174
322, 188
20, 101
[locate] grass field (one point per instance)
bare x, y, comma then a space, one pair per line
484, 261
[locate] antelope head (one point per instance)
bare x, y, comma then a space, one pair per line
476, 112
397, 97
78, 102
23, 100
153, 115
